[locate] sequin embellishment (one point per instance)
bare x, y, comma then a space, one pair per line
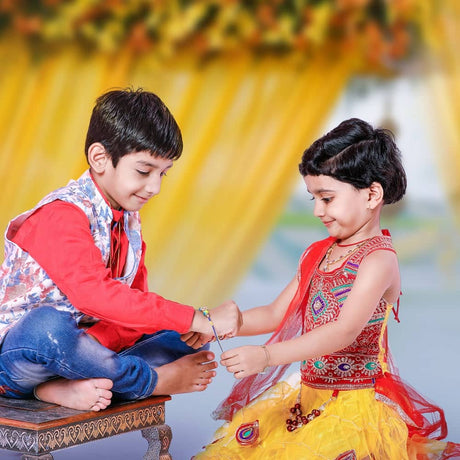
248, 433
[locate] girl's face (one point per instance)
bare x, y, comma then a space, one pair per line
344, 210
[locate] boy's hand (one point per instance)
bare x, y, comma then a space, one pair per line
196, 339
227, 319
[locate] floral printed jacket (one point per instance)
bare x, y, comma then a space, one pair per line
24, 285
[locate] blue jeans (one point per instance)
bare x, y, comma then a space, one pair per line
46, 343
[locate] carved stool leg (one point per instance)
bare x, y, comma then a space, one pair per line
159, 439
154, 447
46, 456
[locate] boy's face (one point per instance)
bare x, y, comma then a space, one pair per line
136, 178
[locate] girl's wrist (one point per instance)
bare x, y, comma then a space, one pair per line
267, 359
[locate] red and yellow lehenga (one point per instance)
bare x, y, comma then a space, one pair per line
347, 405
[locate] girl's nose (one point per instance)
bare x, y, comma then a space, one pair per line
318, 210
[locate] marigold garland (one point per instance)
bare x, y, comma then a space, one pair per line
382, 32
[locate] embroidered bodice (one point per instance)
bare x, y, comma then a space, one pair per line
357, 365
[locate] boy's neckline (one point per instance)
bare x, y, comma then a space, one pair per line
117, 213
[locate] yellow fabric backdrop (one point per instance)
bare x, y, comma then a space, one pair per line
245, 123
443, 37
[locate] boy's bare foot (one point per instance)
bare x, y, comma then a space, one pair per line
187, 374
86, 394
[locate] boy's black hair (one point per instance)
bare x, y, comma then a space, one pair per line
128, 120
356, 153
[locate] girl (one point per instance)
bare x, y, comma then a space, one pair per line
348, 402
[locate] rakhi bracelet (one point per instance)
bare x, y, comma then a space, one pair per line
207, 315
267, 355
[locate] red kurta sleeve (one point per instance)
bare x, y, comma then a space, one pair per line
58, 237
118, 337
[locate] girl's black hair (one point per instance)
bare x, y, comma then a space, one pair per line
126, 121
356, 153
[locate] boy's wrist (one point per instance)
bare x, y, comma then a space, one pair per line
200, 323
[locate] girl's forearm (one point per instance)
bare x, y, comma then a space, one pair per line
259, 320
264, 319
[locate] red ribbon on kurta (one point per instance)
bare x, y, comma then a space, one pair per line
118, 244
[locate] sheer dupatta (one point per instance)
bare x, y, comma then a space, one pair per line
249, 388
425, 421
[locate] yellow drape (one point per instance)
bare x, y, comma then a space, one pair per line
245, 123
444, 80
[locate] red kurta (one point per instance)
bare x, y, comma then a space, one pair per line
58, 237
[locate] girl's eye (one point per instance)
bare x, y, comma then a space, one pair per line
142, 173
163, 174
324, 199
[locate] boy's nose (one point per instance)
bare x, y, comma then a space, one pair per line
153, 186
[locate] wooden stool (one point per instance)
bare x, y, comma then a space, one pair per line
36, 428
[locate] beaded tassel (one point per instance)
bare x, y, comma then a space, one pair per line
298, 419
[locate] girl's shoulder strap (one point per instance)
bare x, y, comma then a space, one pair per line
376, 243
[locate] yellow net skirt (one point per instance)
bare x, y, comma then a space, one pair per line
354, 425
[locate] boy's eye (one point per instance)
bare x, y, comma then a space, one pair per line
142, 173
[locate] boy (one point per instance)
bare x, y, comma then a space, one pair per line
76, 319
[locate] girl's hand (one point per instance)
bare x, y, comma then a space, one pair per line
196, 339
245, 361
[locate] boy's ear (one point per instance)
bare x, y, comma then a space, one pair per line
97, 157
375, 195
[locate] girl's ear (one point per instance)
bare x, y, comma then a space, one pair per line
97, 157
375, 195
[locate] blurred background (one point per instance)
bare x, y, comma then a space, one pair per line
251, 84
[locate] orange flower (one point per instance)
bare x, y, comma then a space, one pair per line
400, 43
139, 39
6, 5
266, 16
375, 43
351, 4
200, 43
27, 25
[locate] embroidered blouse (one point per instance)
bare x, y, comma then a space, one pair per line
358, 365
